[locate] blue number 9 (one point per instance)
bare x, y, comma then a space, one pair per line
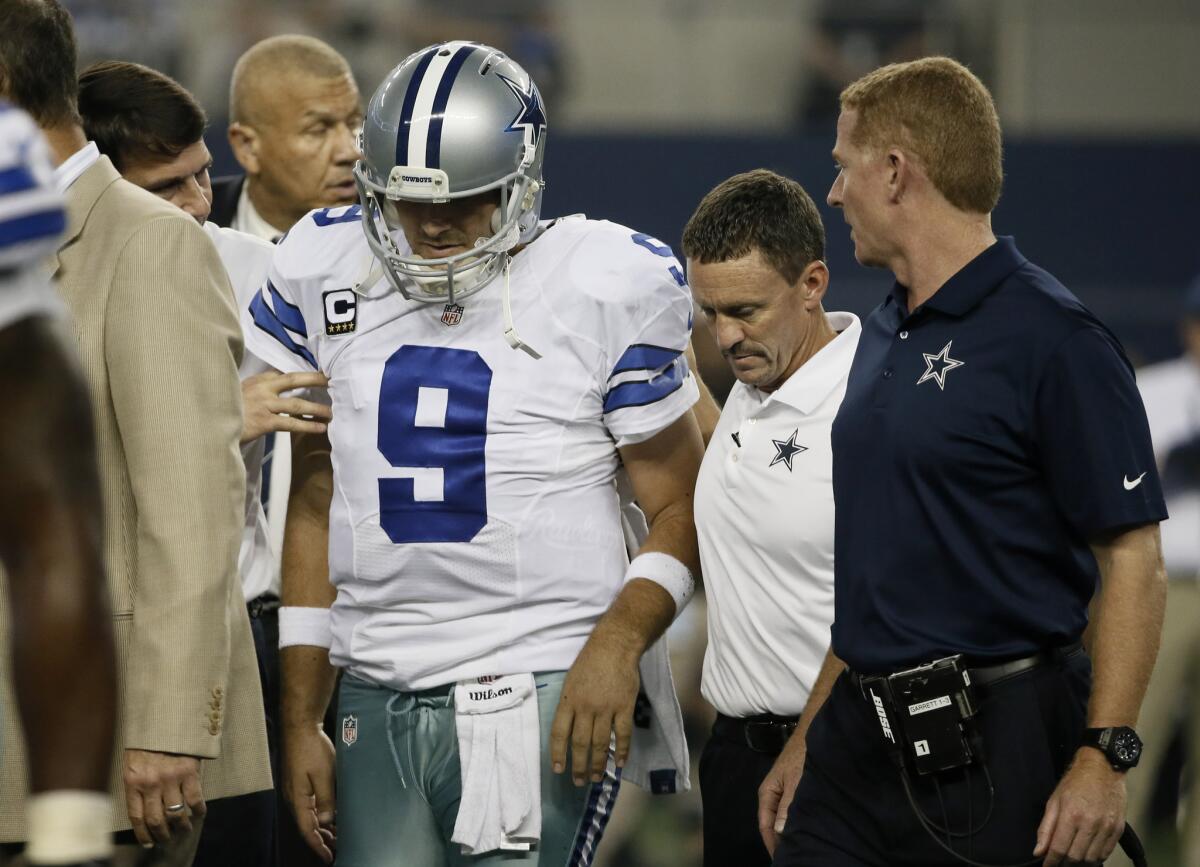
433, 405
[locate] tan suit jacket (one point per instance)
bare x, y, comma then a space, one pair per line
159, 343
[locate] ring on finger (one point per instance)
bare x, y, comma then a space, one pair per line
175, 808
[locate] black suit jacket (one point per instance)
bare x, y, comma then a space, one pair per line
226, 192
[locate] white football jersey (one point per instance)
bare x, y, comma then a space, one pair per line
247, 260
475, 527
31, 217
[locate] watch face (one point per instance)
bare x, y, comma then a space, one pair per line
1126, 747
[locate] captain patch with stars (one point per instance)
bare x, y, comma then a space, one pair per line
341, 311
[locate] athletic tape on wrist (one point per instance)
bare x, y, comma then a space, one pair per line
667, 572
307, 626
67, 826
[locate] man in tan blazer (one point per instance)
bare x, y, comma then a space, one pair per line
159, 342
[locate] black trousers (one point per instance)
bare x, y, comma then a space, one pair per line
730, 774
851, 810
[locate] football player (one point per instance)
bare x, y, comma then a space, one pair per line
489, 374
50, 533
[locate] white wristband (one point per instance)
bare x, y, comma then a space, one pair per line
67, 826
667, 572
309, 626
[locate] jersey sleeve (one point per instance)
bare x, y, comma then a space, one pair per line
32, 217
648, 383
276, 322
1093, 441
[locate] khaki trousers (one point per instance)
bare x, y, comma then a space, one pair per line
1172, 697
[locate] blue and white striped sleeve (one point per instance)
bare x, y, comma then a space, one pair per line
32, 217
649, 385
276, 330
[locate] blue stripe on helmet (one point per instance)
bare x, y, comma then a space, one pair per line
410, 102
434, 143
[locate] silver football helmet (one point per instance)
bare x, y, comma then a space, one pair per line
453, 120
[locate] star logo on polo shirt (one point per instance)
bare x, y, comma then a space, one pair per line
937, 366
787, 449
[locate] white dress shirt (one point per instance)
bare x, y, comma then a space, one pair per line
247, 218
764, 518
78, 163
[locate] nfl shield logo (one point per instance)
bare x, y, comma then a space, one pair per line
349, 730
452, 315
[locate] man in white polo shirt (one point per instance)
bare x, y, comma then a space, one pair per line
764, 498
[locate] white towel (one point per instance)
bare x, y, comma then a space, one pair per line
499, 750
658, 753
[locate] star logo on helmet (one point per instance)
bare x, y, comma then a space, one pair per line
530, 117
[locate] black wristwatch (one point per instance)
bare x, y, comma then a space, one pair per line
1120, 745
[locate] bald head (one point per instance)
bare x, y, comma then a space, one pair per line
254, 93
295, 113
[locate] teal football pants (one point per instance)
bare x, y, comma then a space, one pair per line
398, 784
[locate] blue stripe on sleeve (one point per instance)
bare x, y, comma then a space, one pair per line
645, 356
17, 179
266, 319
646, 391
32, 227
288, 314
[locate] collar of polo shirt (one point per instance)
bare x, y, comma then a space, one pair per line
977, 279
812, 382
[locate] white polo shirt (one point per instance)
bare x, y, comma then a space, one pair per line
1171, 392
764, 518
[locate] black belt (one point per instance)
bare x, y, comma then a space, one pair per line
259, 606
764, 733
984, 675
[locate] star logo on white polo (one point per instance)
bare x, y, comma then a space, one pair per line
937, 366
787, 449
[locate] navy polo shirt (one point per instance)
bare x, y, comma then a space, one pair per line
984, 439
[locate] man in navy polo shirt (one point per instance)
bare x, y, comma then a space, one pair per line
992, 466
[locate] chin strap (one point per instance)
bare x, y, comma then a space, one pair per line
373, 273
510, 329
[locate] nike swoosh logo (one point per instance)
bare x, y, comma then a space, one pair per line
1129, 486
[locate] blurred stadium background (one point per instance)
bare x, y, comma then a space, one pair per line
652, 102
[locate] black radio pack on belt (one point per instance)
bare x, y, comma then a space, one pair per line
925, 714
924, 711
